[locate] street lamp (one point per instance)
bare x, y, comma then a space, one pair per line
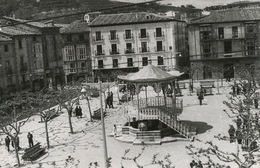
84, 92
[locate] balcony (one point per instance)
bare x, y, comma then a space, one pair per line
72, 70
113, 52
144, 49
159, 49
98, 39
250, 35
100, 66
159, 35
23, 68
97, 53
129, 50
129, 36
113, 38
69, 58
206, 37
143, 36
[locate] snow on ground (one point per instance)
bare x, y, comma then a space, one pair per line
86, 145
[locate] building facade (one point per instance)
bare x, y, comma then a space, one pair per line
129, 41
76, 51
222, 41
35, 49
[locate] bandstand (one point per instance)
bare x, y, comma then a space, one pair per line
157, 115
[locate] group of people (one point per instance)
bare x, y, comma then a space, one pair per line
78, 112
16, 141
109, 100
194, 164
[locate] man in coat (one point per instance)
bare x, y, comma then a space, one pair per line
30, 139
7, 143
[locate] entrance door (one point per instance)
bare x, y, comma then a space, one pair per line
228, 70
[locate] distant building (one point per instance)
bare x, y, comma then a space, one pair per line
129, 41
31, 55
76, 50
224, 40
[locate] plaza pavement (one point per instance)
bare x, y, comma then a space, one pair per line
86, 144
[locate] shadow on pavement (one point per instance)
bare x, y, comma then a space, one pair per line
202, 127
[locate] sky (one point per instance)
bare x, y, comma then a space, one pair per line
197, 3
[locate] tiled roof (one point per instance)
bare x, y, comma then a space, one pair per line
231, 15
77, 26
11, 30
128, 18
5, 38
36, 24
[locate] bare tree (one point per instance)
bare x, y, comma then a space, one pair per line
15, 113
239, 105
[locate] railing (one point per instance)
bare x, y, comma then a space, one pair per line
250, 35
113, 52
98, 39
100, 53
129, 37
158, 49
113, 38
143, 36
158, 34
129, 50
143, 49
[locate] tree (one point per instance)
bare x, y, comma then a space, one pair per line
15, 113
238, 106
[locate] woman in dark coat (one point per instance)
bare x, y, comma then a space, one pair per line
79, 111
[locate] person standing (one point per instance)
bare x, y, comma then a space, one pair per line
200, 95
115, 130
7, 143
80, 111
111, 99
239, 136
30, 139
231, 133
192, 164
239, 122
108, 100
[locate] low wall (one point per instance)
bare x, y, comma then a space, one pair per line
141, 134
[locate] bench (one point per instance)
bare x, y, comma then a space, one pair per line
97, 114
51, 114
33, 153
207, 86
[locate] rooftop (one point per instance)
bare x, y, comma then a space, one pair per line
5, 38
128, 18
232, 15
11, 30
77, 26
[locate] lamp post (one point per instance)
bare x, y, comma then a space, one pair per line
84, 92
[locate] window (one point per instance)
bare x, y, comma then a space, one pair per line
81, 37
83, 65
221, 32
69, 53
34, 38
20, 45
144, 47
207, 73
206, 49
130, 62
128, 34
145, 61
251, 47
234, 32
143, 33
228, 46
160, 60
72, 67
100, 64
159, 46
129, 48
113, 35
69, 38
114, 49
250, 30
81, 52
158, 32
98, 36
115, 63
99, 50
6, 48
205, 32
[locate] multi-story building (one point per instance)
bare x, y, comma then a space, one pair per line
76, 51
35, 51
224, 40
128, 41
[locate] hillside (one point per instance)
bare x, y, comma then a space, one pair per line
31, 9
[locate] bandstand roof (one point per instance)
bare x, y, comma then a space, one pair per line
150, 74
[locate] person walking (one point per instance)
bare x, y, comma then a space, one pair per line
231, 133
7, 143
30, 139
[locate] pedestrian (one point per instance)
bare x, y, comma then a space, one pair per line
77, 111
192, 164
30, 139
108, 100
111, 99
200, 95
199, 164
239, 136
231, 133
238, 90
7, 143
234, 90
16, 142
238, 122
115, 130
80, 111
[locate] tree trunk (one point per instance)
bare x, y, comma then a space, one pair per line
16, 153
89, 109
47, 134
69, 115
